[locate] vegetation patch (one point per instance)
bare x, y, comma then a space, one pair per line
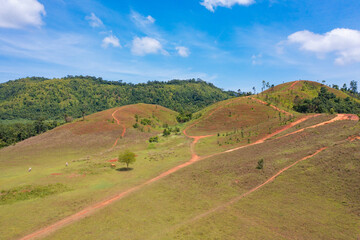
30, 192
326, 102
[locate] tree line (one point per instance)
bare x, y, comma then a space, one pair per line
31, 98
326, 102
12, 133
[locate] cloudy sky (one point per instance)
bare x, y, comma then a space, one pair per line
231, 43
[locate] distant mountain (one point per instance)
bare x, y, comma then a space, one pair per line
35, 97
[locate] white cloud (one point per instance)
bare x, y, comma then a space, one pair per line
110, 40
183, 51
141, 20
345, 43
94, 21
212, 4
150, 19
20, 13
147, 45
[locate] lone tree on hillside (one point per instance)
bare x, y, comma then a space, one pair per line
127, 157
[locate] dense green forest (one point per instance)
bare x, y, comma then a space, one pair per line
326, 102
31, 98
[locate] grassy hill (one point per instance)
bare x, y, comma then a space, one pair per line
31, 98
284, 95
235, 122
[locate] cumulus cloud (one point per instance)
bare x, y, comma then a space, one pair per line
110, 40
183, 51
212, 4
20, 13
345, 43
94, 21
146, 45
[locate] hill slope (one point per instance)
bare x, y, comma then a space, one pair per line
284, 95
90, 147
302, 192
31, 98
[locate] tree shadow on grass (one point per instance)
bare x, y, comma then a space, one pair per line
124, 169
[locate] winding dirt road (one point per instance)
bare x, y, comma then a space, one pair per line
194, 158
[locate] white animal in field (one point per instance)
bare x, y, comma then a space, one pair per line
29, 169
66, 164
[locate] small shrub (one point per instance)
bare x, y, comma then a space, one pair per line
260, 164
145, 121
154, 139
136, 125
166, 132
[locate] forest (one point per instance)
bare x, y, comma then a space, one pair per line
327, 102
15, 132
35, 97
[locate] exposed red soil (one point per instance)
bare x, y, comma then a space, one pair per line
353, 138
293, 85
113, 160
194, 158
56, 174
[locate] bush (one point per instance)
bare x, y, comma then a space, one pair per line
154, 139
145, 121
166, 132
181, 118
260, 164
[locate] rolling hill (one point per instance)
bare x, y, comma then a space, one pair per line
240, 169
284, 95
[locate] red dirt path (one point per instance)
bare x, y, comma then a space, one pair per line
276, 108
293, 85
194, 158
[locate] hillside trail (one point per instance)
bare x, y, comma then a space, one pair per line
118, 123
293, 85
272, 106
194, 158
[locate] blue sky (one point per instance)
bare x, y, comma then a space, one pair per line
231, 43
